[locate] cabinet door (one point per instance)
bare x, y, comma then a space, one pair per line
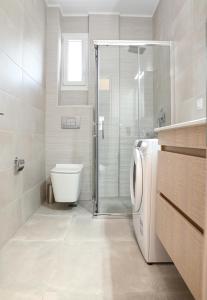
181, 178
183, 242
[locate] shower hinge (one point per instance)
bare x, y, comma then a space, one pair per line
96, 53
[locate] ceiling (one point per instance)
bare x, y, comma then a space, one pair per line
124, 7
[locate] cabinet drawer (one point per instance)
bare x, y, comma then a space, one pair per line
183, 242
181, 178
190, 137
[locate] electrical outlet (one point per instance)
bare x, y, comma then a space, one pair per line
199, 104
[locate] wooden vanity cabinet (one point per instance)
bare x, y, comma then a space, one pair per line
181, 200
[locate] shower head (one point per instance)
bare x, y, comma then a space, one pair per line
136, 50
141, 50
133, 49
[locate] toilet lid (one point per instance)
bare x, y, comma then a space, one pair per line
67, 168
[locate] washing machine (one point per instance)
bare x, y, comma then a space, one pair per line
143, 175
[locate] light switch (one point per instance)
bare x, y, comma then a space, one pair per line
70, 122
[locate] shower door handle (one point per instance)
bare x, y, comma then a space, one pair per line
102, 131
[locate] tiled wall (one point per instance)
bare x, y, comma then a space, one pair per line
74, 25
76, 146
99, 27
184, 22
22, 50
134, 28
70, 145
65, 145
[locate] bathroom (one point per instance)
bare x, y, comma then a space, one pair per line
85, 88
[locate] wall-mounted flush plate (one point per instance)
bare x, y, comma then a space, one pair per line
70, 122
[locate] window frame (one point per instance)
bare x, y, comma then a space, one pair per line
75, 85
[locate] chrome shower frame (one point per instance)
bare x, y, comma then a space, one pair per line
141, 43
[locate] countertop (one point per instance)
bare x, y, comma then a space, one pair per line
182, 125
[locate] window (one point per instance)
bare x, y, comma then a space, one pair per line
75, 61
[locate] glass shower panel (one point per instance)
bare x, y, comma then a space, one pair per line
108, 128
118, 119
145, 98
162, 86
134, 97
129, 72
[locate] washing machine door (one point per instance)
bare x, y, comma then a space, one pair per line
136, 180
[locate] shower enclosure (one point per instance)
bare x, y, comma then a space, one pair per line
133, 97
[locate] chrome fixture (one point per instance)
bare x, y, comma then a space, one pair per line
1, 114
124, 111
101, 126
70, 122
161, 118
136, 49
131, 43
19, 164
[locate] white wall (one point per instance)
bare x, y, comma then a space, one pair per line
22, 88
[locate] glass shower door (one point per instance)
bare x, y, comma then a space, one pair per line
108, 129
134, 96
117, 126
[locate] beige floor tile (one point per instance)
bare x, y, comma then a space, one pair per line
66, 295
105, 267
27, 265
165, 279
94, 267
61, 255
61, 209
8, 295
97, 229
115, 205
44, 228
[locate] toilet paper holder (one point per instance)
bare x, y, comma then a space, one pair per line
19, 164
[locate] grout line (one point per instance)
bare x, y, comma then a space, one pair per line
23, 70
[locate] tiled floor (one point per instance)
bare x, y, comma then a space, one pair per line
65, 254
115, 205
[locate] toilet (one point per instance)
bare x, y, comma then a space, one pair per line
66, 180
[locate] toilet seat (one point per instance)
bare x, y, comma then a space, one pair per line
67, 168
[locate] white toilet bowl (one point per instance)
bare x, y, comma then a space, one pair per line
66, 182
